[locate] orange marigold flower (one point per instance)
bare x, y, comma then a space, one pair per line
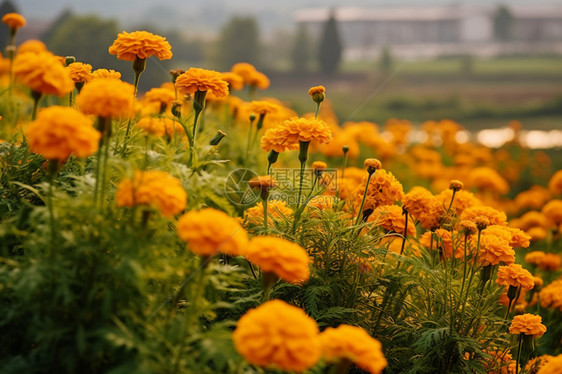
515, 237
534, 257
533, 198
262, 107
555, 183
468, 227
495, 249
531, 219
80, 72
372, 164
443, 242
235, 81
528, 324
265, 182
535, 364
43, 72
319, 165
154, 188
390, 217
32, 46
277, 139
196, 79
456, 185
163, 96
140, 44
275, 209
384, 189
550, 262
553, 366
13, 20
496, 217
551, 295
209, 231
258, 80
278, 335
289, 261
59, 132
553, 212
158, 126
307, 129
244, 70
107, 98
353, 344
514, 275
501, 362
487, 179
423, 206
105, 73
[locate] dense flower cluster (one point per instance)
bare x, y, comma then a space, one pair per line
196, 79
278, 335
275, 209
140, 44
59, 132
353, 344
391, 218
288, 260
424, 207
306, 130
153, 188
551, 295
495, 249
383, 189
552, 366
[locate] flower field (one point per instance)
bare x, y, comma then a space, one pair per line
204, 227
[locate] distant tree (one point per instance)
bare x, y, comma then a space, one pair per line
56, 24
385, 60
300, 55
330, 50
6, 7
503, 23
239, 42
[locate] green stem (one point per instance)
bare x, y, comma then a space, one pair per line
451, 203
104, 171
265, 214
518, 354
36, 99
363, 201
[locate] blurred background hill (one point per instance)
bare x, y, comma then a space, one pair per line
480, 63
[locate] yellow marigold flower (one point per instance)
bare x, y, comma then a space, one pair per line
32, 46
235, 81
495, 249
496, 217
353, 344
553, 366
463, 200
307, 129
154, 188
528, 324
553, 212
80, 72
160, 95
141, 44
262, 107
59, 132
514, 275
289, 261
487, 179
534, 198
423, 206
278, 335
107, 98
275, 209
555, 183
319, 165
515, 237
384, 189
390, 217
43, 72
534, 257
551, 295
105, 73
13, 20
244, 70
209, 231
196, 79
550, 262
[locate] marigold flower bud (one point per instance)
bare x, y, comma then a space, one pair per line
217, 138
317, 94
467, 227
372, 165
69, 60
456, 185
481, 222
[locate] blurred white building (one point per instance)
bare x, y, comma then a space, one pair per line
438, 30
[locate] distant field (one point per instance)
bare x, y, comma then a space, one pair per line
493, 92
